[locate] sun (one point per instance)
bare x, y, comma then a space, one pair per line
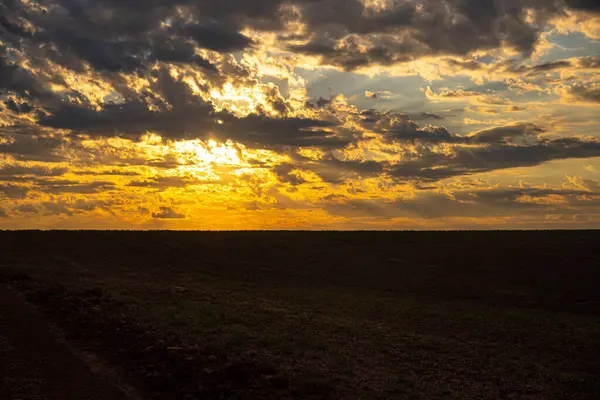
210, 152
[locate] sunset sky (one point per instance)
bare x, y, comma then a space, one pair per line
299, 114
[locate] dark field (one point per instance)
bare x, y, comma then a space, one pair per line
431, 315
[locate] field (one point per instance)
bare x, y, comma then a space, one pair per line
357, 315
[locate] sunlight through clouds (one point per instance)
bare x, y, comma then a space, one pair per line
299, 114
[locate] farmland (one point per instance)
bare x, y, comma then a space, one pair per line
369, 315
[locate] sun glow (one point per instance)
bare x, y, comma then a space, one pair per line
245, 100
211, 152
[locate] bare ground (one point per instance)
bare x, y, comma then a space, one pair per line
36, 365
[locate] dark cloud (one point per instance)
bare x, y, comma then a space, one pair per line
177, 50
399, 127
495, 156
330, 169
13, 191
3, 213
112, 172
409, 30
75, 187
185, 115
106, 39
505, 133
33, 147
318, 49
481, 203
132, 119
361, 168
369, 116
167, 213
589, 62
100, 54
27, 209
18, 107
109, 36
518, 145
470, 65
584, 5
21, 184
410, 131
216, 37
320, 103
284, 173
540, 68
163, 183
16, 169
199, 120
265, 131
14, 79
115, 35
60, 207
126, 35
508, 156
589, 184
586, 93
425, 115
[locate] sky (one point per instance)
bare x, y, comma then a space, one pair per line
299, 114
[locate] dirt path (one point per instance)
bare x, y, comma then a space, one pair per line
35, 365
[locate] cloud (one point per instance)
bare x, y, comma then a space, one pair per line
183, 114
216, 37
68, 186
379, 95
586, 93
347, 33
586, 5
199, 120
450, 94
505, 133
27, 209
163, 183
74, 34
510, 146
425, 115
513, 202
352, 35
167, 213
398, 127
18, 107
113, 103
14, 79
467, 160
12, 191
8, 170
541, 68
33, 147
344, 33
60, 207
432, 153
23, 183
591, 185
110, 172
588, 62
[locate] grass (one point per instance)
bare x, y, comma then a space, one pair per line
457, 315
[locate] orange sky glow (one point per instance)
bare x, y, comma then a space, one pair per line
273, 114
